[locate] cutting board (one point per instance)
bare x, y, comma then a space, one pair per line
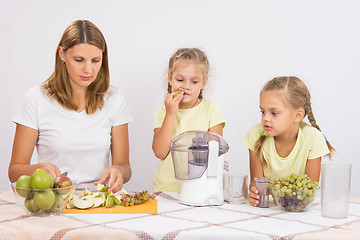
149, 207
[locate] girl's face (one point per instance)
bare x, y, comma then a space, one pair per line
83, 62
187, 77
278, 118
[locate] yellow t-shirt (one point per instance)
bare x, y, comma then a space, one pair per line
201, 117
310, 144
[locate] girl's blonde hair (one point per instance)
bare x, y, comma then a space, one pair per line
191, 55
298, 96
58, 84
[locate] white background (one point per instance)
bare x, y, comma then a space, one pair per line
247, 42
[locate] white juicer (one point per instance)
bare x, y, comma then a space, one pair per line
198, 158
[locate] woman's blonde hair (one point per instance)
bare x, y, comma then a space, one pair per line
58, 84
191, 55
298, 96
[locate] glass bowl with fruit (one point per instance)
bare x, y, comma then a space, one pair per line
294, 193
42, 195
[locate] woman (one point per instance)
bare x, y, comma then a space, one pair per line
75, 119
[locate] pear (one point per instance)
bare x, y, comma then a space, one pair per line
40, 179
23, 186
44, 199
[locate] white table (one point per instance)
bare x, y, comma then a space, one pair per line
177, 221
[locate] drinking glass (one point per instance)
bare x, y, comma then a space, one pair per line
235, 188
335, 189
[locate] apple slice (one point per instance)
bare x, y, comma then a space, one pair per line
109, 202
82, 203
101, 187
116, 200
99, 202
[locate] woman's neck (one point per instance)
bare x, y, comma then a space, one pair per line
79, 99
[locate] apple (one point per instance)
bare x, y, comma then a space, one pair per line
82, 204
44, 199
58, 203
101, 187
98, 202
23, 186
40, 179
116, 200
63, 182
109, 202
30, 205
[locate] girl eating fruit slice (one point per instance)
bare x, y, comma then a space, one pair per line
184, 110
75, 118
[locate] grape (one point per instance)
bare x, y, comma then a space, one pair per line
294, 192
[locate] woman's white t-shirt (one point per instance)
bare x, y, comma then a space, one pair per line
75, 142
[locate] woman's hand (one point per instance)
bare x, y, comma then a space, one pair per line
115, 177
172, 103
120, 171
50, 168
253, 195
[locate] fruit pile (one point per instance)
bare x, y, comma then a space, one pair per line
42, 193
105, 198
293, 193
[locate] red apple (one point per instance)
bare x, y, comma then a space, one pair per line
62, 181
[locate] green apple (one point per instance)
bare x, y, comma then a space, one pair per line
58, 203
23, 186
44, 199
30, 205
40, 179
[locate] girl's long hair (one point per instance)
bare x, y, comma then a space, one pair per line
298, 96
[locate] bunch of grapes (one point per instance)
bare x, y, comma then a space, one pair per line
136, 198
294, 192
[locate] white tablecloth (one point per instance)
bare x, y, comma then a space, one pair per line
177, 221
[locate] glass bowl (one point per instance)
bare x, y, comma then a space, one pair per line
42, 202
292, 200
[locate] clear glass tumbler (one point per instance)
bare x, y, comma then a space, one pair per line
235, 188
263, 186
335, 189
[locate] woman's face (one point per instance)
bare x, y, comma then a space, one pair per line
83, 62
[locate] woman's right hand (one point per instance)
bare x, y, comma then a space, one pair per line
254, 196
172, 103
50, 168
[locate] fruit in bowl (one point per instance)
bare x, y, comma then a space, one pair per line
44, 201
294, 193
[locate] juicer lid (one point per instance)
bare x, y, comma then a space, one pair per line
199, 141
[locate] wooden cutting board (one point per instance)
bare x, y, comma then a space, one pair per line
149, 207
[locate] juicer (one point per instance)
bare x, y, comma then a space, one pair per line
198, 158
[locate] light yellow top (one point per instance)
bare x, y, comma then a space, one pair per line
310, 144
201, 117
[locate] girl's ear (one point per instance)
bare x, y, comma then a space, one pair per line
169, 77
300, 113
205, 81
